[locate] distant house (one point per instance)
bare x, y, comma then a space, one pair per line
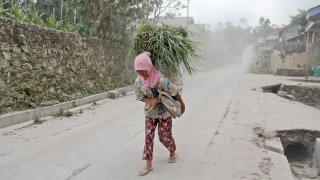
286, 39
289, 32
313, 32
197, 29
188, 22
291, 39
273, 38
282, 50
261, 42
313, 26
176, 21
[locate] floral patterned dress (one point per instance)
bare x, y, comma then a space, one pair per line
142, 92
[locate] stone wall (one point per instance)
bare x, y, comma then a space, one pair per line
41, 67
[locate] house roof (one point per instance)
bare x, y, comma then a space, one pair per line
291, 25
313, 16
301, 36
272, 37
313, 26
313, 13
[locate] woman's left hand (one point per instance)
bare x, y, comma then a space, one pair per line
183, 106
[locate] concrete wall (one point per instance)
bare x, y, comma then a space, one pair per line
41, 67
316, 152
294, 61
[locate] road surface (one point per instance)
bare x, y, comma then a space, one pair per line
216, 137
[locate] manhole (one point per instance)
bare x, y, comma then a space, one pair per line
301, 152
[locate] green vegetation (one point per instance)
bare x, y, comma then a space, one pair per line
169, 46
64, 113
37, 120
89, 18
301, 19
19, 13
68, 114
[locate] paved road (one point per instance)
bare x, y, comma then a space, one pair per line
106, 142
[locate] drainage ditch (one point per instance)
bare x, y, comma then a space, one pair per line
306, 95
302, 149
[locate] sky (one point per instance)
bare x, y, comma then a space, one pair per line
214, 11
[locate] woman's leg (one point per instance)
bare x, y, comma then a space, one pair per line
150, 127
165, 135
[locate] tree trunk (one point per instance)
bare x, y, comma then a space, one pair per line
97, 22
61, 10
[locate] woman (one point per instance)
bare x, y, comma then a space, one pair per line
147, 83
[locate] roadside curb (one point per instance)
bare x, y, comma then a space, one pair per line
23, 116
282, 170
275, 145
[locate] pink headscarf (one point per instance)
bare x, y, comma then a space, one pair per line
143, 62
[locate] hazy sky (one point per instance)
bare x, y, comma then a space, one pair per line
214, 11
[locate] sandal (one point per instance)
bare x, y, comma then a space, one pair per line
173, 159
144, 171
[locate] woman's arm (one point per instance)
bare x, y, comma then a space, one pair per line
152, 101
183, 106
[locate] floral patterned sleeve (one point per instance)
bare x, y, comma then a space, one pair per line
168, 86
137, 89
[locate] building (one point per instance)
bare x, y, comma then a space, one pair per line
313, 26
313, 35
175, 21
290, 31
188, 22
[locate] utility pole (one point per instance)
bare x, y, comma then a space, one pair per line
188, 14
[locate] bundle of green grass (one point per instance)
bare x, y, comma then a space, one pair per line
169, 46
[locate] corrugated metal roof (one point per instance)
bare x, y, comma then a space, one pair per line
313, 26
313, 13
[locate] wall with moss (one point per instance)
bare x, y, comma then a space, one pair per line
41, 67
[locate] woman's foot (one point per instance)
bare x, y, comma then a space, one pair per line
145, 171
173, 157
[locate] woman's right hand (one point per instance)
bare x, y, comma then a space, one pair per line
154, 102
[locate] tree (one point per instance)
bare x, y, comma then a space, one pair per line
243, 22
111, 18
301, 19
103, 18
160, 7
106, 19
48, 7
264, 27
